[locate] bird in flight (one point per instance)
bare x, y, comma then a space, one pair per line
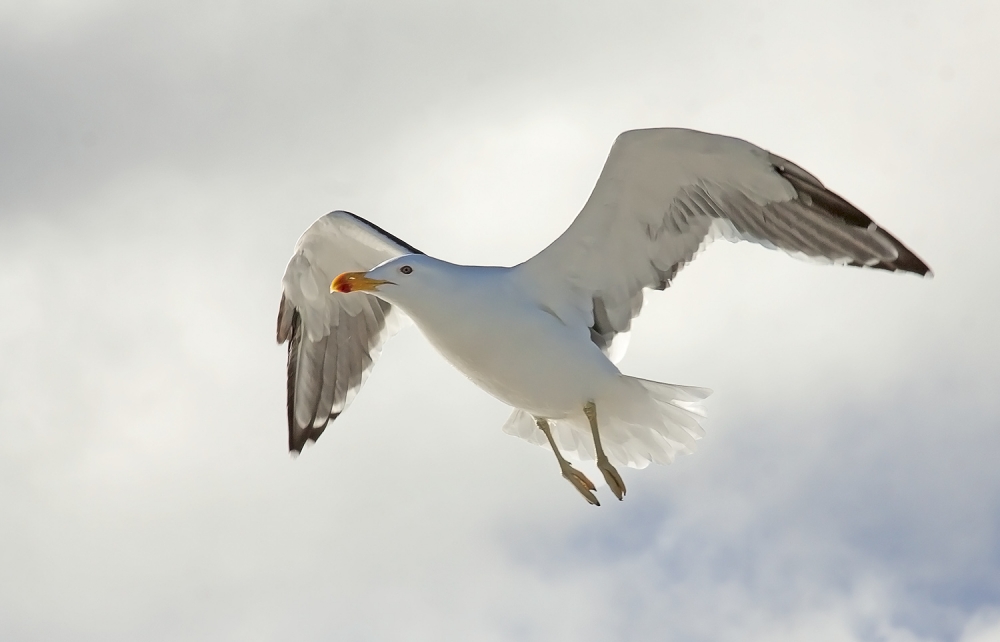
544, 336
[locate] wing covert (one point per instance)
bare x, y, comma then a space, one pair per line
333, 340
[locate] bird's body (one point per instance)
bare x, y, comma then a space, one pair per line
543, 336
487, 323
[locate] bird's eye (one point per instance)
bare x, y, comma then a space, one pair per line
406, 269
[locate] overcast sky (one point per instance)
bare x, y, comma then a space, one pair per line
159, 160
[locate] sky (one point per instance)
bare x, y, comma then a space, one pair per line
159, 160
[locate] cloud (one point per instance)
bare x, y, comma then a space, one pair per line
158, 162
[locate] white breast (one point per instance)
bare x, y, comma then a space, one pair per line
489, 329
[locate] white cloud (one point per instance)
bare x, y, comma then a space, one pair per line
983, 627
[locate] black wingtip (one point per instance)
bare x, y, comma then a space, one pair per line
894, 266
813, 192
299, 437
905, 261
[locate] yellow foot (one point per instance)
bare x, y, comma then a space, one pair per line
614, 480
581, 483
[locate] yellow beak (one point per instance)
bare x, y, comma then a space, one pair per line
354, 282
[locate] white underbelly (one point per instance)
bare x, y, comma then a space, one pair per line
526, 358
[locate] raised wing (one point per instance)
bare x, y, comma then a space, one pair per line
664, 194
333, 340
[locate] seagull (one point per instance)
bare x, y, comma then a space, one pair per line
544, 336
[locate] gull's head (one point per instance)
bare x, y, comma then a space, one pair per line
391, 280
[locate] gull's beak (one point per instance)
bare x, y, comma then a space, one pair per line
354, 282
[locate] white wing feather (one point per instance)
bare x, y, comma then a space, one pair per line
664, 194
333, 341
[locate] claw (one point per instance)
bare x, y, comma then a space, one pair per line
614, 480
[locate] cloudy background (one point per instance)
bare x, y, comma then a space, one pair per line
158, 162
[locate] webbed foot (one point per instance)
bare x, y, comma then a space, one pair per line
581, 483
614, 480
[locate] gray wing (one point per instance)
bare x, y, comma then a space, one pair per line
333, 339
664, 194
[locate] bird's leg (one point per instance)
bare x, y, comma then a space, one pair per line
610, 474
574, 476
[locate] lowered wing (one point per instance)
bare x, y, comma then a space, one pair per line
332, 340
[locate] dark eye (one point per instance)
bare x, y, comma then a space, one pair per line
406, 269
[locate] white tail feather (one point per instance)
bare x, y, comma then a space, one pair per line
640, 422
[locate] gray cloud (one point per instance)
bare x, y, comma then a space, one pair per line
157, 164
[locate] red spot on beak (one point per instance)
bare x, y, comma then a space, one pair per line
342, 283
354, 282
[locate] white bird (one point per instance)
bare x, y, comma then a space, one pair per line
543, 336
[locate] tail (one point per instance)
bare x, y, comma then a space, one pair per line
640, 422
